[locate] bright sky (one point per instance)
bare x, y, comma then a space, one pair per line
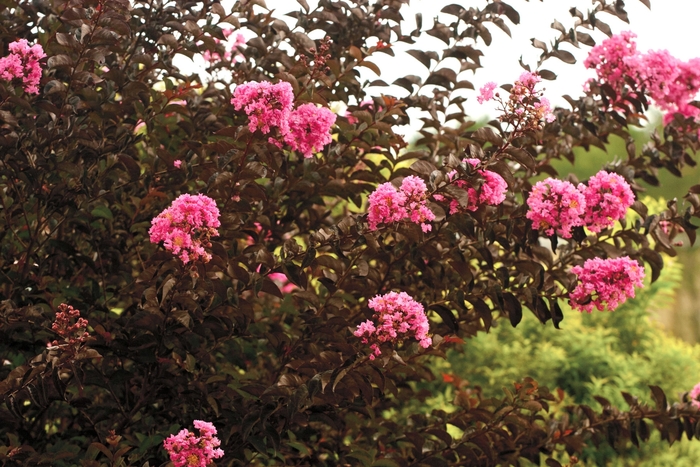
671, 24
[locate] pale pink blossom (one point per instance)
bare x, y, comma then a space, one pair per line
486, 92
230, 48
526, 106
608, 195
187, 450
267, 105
396, 316
605, 283
556, 206
23, 63
177, 163
186, 227
309, 129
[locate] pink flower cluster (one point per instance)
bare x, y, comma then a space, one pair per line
187, 450
73, 334
387, 204
186, 227
486, 92
694, 396
397, 315
492, 191
23, 63
305, 129
267, 105
608, 196
670, 82
558, 206
309, 128
229, 47
526, 107
609, 59
605, 283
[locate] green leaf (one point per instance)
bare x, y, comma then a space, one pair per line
103, 212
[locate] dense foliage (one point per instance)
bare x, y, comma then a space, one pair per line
219, 239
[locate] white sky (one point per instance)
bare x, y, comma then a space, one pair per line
671, 24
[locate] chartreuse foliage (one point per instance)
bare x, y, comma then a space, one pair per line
600, 355
253, 335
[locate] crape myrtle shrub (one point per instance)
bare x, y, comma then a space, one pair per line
262, 339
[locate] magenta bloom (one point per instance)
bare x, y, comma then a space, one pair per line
416, 210
670, 82
694, 396
186, 227
605, 283
23, 63
187, 450
486, 92
397, 316
387, 204
556, 206
267, 105
177, 163
608, 196
309, 129
492, 192
610, 59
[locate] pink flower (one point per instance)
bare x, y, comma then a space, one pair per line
267, 105
177, 163
486, 92
556, 206
543, 110
230, 47
187, 450
23, 63
492, 192
416, 193
281, 280
186, 227
387, 204
694, 396
525, 107
670, 82
610, 59
605, 283
608, 196
397, 316
528, 80
309, 128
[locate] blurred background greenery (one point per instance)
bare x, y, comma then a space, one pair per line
652, 339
